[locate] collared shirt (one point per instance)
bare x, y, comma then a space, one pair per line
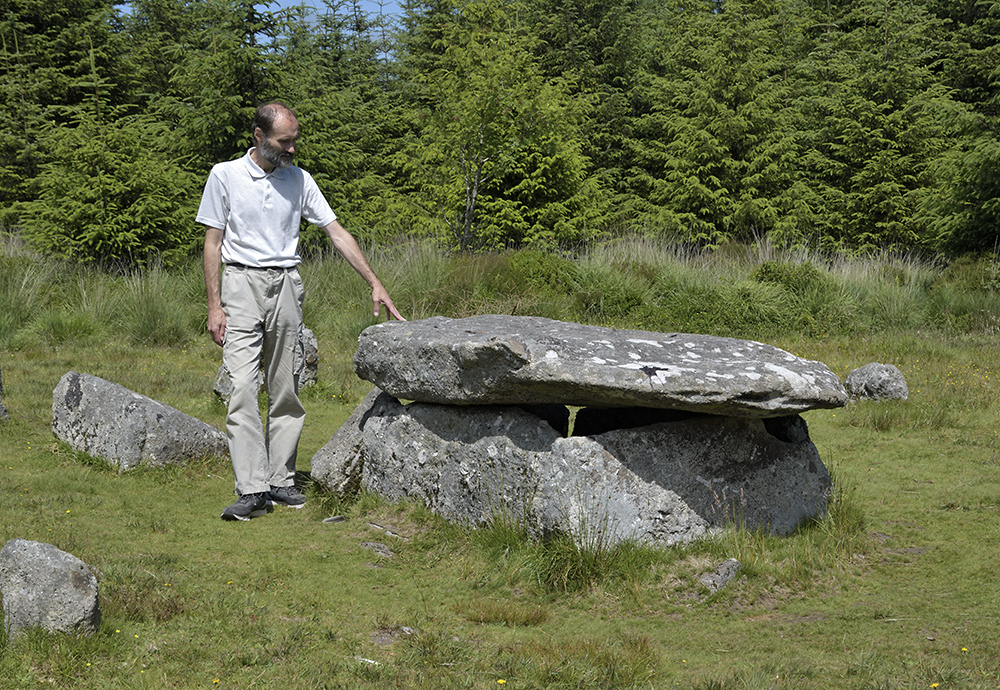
260, 213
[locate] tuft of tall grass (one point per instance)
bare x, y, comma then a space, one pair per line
608, 294
844, 528
57, 325
156, 309
560, 562
28, 287
506, 612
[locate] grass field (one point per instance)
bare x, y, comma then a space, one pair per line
896, 588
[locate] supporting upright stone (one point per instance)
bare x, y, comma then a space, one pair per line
668, 482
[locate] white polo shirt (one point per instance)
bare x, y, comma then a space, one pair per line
260, 213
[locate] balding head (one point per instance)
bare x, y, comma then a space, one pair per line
268, 115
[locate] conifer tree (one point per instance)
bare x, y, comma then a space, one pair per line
717, 153
111, 189
878, 120
46, 49
498, 137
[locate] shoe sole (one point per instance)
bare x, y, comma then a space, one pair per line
272, 502
260, 512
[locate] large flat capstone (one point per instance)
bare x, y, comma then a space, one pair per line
514, 360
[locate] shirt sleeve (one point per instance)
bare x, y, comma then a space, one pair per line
315, 208
214, 209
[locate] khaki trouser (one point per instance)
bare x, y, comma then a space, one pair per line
263, 310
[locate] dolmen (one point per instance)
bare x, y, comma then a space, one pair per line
605, 434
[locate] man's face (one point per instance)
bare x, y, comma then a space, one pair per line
278, 149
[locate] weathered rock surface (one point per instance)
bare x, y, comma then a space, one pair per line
528, 360
721, 576
667, 482
108, 421
42, 586
877, 381
338, 464
223, 386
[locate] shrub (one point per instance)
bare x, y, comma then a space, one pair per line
110, 193
795, 277
972, 273
532, 270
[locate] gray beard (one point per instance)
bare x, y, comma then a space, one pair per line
274, 155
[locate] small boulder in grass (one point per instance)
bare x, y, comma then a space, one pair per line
42, 586
877, 381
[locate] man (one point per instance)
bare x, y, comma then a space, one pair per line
251, 209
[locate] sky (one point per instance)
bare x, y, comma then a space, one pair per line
389, 6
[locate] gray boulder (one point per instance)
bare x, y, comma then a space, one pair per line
42, 586
759, 473
877, 381
669, 482
513, 360
337, 465
223, 386
109, 421
310, 356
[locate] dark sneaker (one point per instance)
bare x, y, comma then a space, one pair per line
246, 507
290, 496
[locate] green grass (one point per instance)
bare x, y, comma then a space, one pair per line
894, 588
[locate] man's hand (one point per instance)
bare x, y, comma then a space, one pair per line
380, 297
217, 325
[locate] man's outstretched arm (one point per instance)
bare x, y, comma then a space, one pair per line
345, 243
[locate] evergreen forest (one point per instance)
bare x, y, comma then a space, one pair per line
478, 125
